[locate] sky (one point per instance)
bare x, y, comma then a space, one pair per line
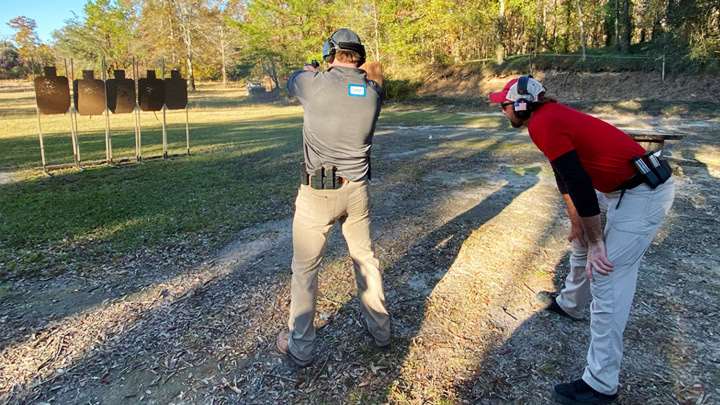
48, 14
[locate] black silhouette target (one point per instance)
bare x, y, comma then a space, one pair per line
120, 93
152, 92
89, 94
52, 92
176, 97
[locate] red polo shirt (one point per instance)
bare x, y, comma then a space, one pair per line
604, 151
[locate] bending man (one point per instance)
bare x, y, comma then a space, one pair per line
592, 161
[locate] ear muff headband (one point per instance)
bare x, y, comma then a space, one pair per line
522, 84
523, 106
330, 47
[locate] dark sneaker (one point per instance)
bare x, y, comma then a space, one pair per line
283, 347
578, 392
549, 298
379, 345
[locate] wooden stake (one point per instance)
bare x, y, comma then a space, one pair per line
40, 136
73, 135
138, 129
108, 140
164, 120
73, 110
187, 130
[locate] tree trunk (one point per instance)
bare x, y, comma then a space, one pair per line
616, 25
500, 33
540, 30
566, 36
626, 23
223, 68
377, 31
581, 23
187, 38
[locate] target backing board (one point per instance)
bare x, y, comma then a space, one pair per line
176, 97
120, 93
52, 92
89, 94
151, 92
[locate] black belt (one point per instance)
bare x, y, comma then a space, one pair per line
324, 178
633, 182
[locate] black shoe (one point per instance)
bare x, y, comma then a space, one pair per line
578, 392
379, 345
552, 305
283, 347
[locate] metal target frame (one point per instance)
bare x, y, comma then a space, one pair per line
73, 112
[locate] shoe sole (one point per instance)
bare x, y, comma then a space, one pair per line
569, 401
555, 308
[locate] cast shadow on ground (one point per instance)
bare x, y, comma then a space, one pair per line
78, 193
205, 302
666, 339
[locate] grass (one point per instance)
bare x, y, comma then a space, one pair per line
242, 171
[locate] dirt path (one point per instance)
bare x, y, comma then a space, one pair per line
469, 228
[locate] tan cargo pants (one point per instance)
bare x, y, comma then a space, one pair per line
315, 213
629, 231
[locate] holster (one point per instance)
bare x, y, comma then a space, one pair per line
652, 168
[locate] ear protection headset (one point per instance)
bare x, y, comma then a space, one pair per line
524, 105
330, 47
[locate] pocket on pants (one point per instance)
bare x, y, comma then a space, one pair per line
309, 202
625, 248
631, 216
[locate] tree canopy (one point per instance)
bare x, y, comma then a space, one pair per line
230, 38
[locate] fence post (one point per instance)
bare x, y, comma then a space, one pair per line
663, 68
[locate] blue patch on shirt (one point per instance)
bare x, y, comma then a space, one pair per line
357, 90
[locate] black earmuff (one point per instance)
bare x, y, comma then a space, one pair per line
523, 106
330, 47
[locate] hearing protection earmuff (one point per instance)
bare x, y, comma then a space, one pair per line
523, 106
330, 47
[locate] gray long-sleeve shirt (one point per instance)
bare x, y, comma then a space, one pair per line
341, 108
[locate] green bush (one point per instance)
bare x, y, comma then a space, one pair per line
401, 89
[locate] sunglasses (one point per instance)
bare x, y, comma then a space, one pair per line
505, 104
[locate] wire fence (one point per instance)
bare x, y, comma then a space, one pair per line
590, 63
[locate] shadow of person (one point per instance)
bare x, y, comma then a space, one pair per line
409, 282
666, 357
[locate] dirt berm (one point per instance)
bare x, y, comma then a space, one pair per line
467, 82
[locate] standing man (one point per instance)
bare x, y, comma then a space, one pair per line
595, 171
341, 107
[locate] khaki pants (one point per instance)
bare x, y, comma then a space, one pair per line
315, 213
629, 231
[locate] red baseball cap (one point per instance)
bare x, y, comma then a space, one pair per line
501, 96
